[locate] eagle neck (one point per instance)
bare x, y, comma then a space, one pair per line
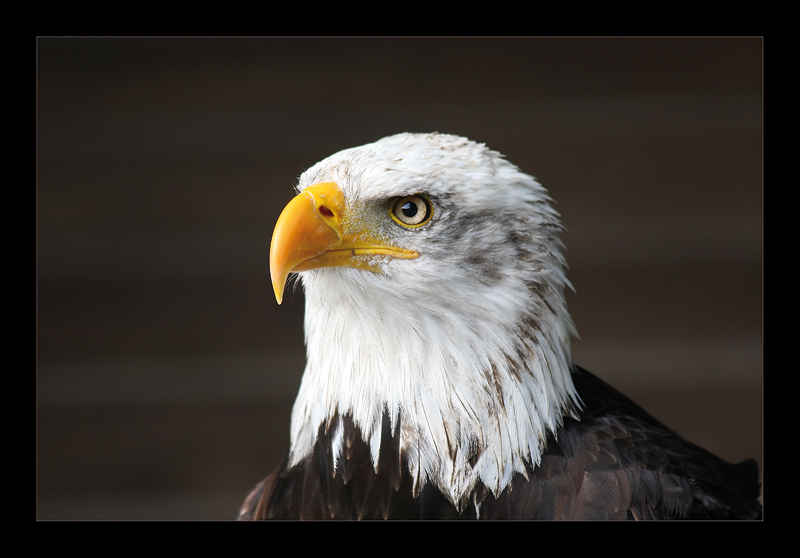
471, 400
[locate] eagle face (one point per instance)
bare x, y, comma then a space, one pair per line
460, 211
434, 282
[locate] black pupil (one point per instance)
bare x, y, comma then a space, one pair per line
409, 209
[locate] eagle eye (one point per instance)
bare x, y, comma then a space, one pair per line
412, 211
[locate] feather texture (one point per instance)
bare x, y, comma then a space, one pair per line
614, 461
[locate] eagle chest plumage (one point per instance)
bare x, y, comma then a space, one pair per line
440, 382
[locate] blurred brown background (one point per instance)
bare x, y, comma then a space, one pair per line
165, 369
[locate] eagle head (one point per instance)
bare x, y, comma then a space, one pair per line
434, 278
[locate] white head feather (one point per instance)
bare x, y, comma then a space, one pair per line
468, 346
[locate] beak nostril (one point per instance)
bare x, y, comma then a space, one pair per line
325, 211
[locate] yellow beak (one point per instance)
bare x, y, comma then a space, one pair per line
311, 233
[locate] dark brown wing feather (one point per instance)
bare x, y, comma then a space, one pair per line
615, 462
313, 490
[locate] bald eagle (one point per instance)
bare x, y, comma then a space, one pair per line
439, 382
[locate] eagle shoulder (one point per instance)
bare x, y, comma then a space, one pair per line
615, 461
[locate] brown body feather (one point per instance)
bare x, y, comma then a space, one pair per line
614, 462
